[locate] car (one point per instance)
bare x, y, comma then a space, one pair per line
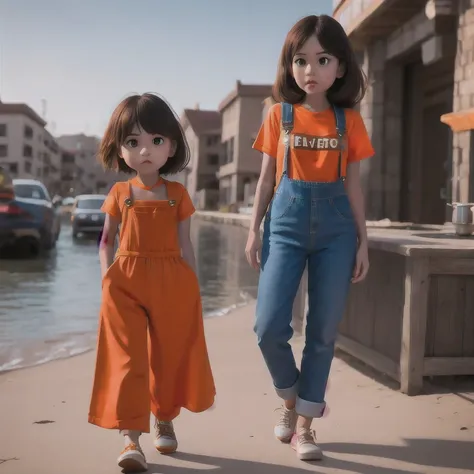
86, 215
28, 219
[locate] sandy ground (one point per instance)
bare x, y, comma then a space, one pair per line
371, 428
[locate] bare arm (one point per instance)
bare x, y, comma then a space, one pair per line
264, 192
107, 242
184, 234
356, 198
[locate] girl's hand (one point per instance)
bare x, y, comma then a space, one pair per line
253, 248
362, 263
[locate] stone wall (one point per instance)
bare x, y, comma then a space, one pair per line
463, 142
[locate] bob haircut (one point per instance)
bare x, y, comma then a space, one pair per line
346, 91
150, 113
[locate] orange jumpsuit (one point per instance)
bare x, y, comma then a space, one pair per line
151, 350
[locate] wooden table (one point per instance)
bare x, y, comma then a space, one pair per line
414, 315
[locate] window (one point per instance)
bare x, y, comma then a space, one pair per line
29, 191
3, 129
27, 166
3, 151
213, 140
13, 168
94, 204
27, 151
213, 160
67, 158
229, 151
28, 132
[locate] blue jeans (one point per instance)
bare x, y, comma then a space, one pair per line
307, 223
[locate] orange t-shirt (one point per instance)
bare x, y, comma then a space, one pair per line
313, 155
185, 205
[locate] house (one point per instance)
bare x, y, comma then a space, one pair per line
202, 129
21, 140
239, 169
419, 59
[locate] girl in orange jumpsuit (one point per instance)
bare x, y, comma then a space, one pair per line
151, 350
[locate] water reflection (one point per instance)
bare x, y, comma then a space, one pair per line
49, 306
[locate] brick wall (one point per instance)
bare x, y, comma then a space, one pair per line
463, 142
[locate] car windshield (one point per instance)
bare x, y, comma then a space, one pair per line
93, 203
29, 191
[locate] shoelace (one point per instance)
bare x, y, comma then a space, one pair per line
306, 437
285, 416
164, 428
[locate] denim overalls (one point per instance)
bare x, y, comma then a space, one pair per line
307, 223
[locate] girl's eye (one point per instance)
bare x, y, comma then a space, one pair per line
323, 61
300, 62
158, 141
132, 143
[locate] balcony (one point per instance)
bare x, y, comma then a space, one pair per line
366, 20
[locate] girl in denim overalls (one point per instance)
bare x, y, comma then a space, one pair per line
309, 188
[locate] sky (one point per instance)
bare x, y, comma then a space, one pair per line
75, 60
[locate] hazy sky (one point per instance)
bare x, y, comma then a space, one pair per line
82, 57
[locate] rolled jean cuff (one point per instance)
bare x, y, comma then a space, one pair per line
289, 393
310, 409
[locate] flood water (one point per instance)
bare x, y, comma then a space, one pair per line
49, 306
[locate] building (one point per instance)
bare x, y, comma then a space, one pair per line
202, 129
49, 171
418, 56
22, 146
240, 167
88, 175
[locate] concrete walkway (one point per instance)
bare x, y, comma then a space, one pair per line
371, 428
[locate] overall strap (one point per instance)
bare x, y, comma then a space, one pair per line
287, 122
341, 131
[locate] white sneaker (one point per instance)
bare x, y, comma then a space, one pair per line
165, 438
303, 442
285, 428
132, 459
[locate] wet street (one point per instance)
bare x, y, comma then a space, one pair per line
49, 306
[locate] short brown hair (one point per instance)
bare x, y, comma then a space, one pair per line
346, 91
152, 114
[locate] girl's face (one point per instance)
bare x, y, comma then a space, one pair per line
146, 153
314, 69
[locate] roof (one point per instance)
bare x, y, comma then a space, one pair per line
203, 121
90, 196
246, 90
21, 109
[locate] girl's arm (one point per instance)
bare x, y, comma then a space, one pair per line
264, 192
184, 234
107, 243
356, 198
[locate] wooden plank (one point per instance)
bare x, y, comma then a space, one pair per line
450, 266
448, 366
414, 325
449, 316
370, 357
468, 330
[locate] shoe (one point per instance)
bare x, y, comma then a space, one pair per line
303, 442
132, 459
165, 438
285, 428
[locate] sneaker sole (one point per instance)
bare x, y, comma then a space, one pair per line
166, 450
284, 440
309, 457
131, 463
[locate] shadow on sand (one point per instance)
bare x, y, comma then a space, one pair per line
425, 453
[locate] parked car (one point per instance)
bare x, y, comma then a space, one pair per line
86, 215
28, 219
